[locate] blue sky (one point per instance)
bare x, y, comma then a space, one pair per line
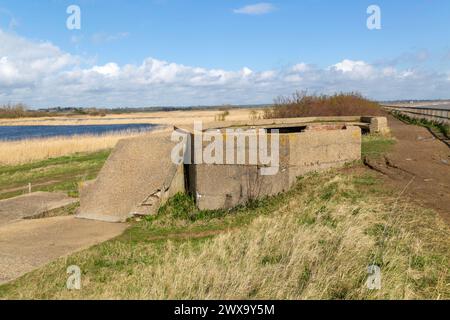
318, 45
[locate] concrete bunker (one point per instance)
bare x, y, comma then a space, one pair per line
302, 149
140, 174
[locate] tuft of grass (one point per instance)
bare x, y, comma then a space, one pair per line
374, 146
182, 207
222, 116
313, 242
367, 179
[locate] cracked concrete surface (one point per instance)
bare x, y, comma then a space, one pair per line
32, 204
29, 244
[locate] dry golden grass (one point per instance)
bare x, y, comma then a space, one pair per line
26, 151
161, 117
316, 242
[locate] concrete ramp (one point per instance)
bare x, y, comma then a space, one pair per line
138, 176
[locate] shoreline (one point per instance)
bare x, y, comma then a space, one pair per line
157, 118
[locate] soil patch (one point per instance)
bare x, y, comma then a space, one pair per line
421, 162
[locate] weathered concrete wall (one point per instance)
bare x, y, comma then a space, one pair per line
372, 124
220, 186
377, 124
321, 150
226, 186
136, 178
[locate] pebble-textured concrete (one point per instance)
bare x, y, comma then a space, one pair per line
32, 204
136, 169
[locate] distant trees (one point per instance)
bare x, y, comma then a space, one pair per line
13, 110
20, 110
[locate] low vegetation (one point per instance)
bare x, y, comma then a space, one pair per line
222, 116
374, 146
56, 174
19, 110
313, 242
440, 128
301, 104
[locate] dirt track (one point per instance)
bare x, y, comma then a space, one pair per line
420, 160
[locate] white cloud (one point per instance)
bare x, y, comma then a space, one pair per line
301, 67
256, 9
354, 69
41, 75
109, 69
8, 72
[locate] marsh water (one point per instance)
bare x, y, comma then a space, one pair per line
34, 132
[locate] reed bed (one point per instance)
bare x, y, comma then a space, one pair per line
30, 150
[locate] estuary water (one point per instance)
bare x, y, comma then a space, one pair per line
14, 133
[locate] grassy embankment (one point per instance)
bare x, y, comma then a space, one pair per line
315, 241
439, 128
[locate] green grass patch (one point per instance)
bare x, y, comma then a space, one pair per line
375, 146
57, 174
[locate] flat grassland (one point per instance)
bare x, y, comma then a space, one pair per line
56, 174
313, 242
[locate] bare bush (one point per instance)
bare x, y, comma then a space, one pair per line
300, 104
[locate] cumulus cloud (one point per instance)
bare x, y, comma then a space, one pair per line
108, 70
300, 67
354, 69
256, 9
25, 63
41, 75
